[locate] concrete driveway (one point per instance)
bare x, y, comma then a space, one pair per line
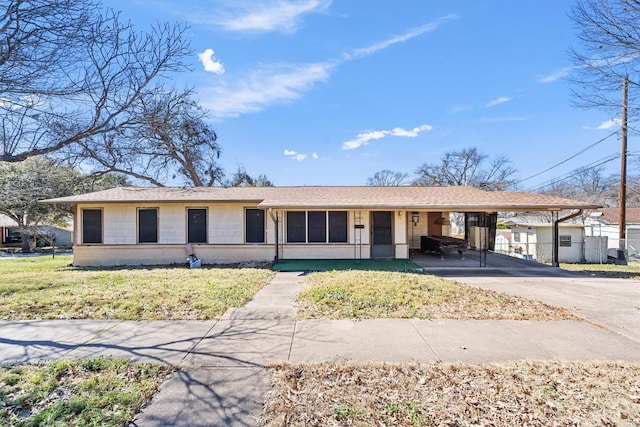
610, 302
475, 259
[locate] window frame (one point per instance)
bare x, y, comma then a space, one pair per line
139, 226
315, 228
327, 215
246, 224
83, 225
300, 227
564, 244
346, 227
206, 224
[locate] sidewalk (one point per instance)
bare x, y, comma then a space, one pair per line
222, 380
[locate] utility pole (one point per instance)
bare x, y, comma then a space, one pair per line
622, 220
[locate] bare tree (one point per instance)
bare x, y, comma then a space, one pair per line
167, 139
466, 167
70, 70
388, 178
633, 195
608, 53
240, 178
587, 184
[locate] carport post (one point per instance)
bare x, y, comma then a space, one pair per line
275, 221
556, 233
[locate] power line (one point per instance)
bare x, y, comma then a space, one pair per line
568, 158
575, 172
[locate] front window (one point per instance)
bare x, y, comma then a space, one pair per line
92, 226
338, 227
148, 225
254, 225
196, 226
317, 227
296, 227
565, 241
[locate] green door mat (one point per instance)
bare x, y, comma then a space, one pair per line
345, 264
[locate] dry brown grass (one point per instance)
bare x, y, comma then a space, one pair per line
40, 288
376, 294
547, 393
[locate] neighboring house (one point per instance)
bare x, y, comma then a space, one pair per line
605, 222
153, 225
10, 233
533, 239
5, 224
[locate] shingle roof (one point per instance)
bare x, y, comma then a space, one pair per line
611, 215
5, 221
454, 198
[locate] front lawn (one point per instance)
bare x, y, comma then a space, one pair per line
86, 392
630, 271
45, 288
374, 294
545, 393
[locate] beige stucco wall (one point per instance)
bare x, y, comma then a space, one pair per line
226, 231
320, 251
109, 255
225, 222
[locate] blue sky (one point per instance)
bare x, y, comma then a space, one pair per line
321, 92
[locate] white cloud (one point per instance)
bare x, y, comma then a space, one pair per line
609, 124
459, 108
282, 83
498, 101
264, 16
245, 15
315, 156
595, 62
248, 15
210, 63
369, 50
555, 76
271, 85
412, 133
294, 155
24, 101
503, 119
366, 137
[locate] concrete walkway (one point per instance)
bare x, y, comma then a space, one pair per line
222, 380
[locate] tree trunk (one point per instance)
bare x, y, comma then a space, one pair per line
25, 242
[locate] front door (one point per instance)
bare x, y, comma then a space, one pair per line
382, 235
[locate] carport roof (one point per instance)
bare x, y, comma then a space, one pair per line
453, 198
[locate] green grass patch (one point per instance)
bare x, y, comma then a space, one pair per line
630, 271
82, 392
45, 288
375, 294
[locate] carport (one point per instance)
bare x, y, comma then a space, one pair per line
474, 259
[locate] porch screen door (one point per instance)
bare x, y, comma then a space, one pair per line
382, 235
